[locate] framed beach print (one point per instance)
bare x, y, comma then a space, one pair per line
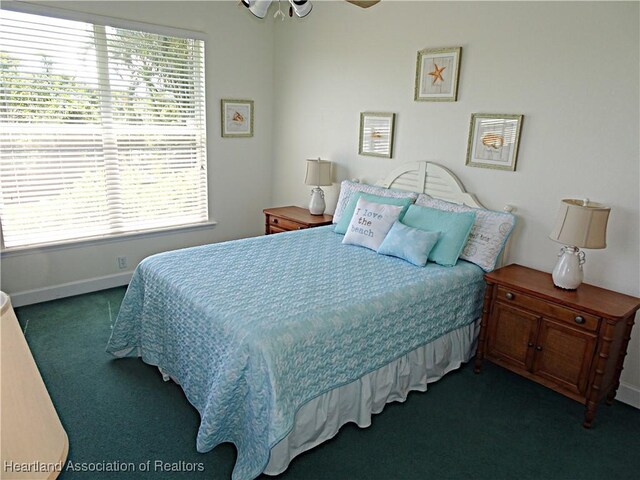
376, 134
437, 73
237, 118
493, 141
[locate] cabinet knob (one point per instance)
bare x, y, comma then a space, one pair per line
579, 320
539, 348
509, 296
275, 220
530, 344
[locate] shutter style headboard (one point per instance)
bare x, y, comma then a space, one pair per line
439, 182
432, 179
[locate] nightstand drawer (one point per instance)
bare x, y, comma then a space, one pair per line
285, 224
286, 219
274, 229
572, 317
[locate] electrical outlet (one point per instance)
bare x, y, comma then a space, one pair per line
123, 263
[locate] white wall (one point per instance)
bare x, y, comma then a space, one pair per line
571, 68
239, 64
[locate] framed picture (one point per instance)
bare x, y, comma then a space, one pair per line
237, 118
437, 73
376, 134
493, 141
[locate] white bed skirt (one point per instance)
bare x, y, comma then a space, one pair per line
321, 418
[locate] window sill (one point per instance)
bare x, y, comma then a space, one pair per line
122, 237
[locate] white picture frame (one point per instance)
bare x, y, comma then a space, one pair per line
437, 74
494, 140
236, 118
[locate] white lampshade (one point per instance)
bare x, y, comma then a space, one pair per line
581, 223
318, 173
257, 7
301, 7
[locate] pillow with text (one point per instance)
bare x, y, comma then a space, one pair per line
370, 223
348, 188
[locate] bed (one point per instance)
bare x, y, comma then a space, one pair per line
276, 361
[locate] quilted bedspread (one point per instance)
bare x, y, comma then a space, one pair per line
254, 328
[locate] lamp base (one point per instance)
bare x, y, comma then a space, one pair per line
568, 273
316, 204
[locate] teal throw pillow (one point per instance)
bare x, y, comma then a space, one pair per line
454, 228
345, 219
408, 243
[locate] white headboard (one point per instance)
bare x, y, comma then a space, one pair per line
437, 181
432, 179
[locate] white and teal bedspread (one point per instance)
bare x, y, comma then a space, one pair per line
252, 329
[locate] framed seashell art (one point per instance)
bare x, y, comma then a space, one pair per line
237, 118
376, 134
494, 140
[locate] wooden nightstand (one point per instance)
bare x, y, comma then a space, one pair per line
573, 342
284, 219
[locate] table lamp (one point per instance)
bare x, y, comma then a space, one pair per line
318, 174
583, 224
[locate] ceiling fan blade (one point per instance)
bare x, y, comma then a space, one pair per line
363, 4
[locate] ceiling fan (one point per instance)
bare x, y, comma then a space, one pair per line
363, 4
300, 7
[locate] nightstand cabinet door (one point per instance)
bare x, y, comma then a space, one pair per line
564, 355
512, 336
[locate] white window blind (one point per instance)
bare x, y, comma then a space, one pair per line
102, 130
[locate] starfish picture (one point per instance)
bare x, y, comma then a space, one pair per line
437, 73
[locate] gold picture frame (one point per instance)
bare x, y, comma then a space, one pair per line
494, 140
236, 118
437, 74
376, 134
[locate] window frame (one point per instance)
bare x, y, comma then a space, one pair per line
73, 15
107, 239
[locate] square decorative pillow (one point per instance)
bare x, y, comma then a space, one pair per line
341, 226
454, 228
488, 235
410, 244
370, 223
348, 188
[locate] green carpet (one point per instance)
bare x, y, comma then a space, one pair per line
495, 425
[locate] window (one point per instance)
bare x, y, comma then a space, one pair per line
102, 130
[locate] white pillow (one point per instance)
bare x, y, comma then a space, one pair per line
348, 188
370, 223
489, 232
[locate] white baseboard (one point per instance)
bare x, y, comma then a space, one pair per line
69, 289
628, 394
